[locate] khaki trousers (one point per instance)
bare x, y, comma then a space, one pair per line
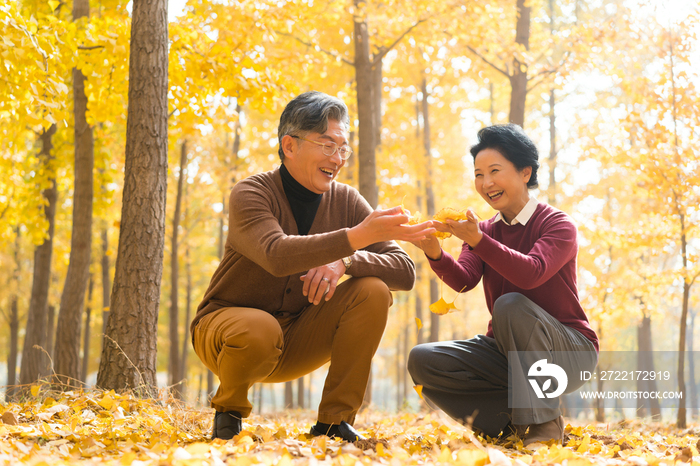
243, 346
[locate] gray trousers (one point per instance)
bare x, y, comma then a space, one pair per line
468, 378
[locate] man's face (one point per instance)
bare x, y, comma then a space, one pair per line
306, 161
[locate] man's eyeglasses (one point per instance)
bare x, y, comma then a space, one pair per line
329, 148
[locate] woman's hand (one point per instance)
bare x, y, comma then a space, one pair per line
323, 279
467, 230
430, 246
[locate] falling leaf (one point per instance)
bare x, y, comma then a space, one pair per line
419, 323
442, 307
419, 390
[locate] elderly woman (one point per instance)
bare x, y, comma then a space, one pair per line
526, 256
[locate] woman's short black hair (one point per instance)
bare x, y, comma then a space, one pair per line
510, 141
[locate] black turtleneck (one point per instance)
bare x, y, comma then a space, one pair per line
304, 203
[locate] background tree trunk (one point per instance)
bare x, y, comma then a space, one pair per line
288, 395
430, 203
70, 312
129, 355
365, 110
106, 282
13, 322
34, 360
552, 197
300, 393
174, 367
518, 79
645, 362
86, 334
693, 405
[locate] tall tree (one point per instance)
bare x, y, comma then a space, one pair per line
34, 360
67, 351
174, 365
129, 354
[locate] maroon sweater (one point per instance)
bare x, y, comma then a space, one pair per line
537, 260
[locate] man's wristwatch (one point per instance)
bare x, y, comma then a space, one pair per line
347, 262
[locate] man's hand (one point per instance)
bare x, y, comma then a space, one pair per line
387, 225
467, 230
319, 279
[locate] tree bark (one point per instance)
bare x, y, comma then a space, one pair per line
129, 355
34, 360
518, 79
86, 334
365, 110
175, 375
70, 313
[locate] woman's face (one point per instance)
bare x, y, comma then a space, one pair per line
500, 183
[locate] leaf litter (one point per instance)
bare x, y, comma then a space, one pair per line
104, 427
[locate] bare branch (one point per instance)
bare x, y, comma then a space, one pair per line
504, 73
384, 50
91, 47
335, 55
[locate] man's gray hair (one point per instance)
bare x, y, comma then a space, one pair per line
309, 113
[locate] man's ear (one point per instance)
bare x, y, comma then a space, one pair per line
289, 146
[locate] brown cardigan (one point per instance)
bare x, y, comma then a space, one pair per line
265, 256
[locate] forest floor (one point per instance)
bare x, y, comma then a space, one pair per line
106, 428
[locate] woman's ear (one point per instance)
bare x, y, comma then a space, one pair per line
526, 173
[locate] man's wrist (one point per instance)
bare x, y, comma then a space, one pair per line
347, 262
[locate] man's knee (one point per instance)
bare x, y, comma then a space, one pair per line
261, 335
376, 297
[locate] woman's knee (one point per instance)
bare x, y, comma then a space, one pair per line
507, 307
418, 362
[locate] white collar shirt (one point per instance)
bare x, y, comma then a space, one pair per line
524, 216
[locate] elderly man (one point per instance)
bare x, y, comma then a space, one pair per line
275, 309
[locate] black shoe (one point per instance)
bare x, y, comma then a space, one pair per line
343, 431
226, 425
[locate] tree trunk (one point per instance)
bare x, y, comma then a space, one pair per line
599, 402
50, 332
691, 367
552, 198
34, 360
288, 395
430, 203
106, 282
518, 80
129, 355
13, 322
174, 367
86, 338
645, 362
70, 313
300, 393
681, 419
188, 307
365, 110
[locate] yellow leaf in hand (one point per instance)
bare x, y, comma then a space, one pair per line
448, 213
442, 307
